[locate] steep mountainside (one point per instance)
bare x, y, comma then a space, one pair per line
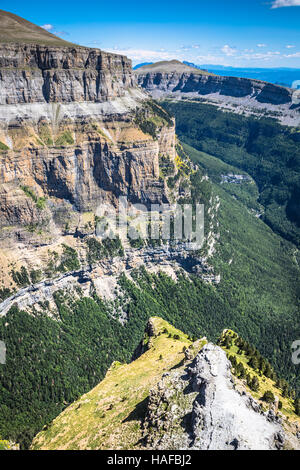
49, 74
18, 30
268, 151
177, 394
75, 133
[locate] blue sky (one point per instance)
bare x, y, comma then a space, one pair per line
250, 33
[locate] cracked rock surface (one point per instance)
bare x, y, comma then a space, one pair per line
198, 407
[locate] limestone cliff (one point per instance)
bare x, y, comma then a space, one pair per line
240, 95
69, 130
35, 74
15, 29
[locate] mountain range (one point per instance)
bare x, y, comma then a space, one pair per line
120, 342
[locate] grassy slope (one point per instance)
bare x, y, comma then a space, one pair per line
109, 416
15, 29
265, 383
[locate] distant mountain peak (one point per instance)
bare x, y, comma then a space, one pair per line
170, 66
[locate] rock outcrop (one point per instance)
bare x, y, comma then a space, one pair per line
202, 410
175, 395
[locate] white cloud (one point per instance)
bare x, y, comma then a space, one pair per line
261, 45
47, 27
289, 46
260, 56
285, 3
293, 56
229, 51
147, 55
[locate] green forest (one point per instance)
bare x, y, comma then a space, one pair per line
52, 360
268, 151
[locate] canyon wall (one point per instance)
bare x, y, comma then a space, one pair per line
33, 73
69, 131
208, 84
237, 95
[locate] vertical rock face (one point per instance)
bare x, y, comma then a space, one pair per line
175, 81
172, 82
33, 73
221, 417
174, 395
201, 410
69, 131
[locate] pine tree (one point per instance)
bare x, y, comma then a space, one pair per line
297, 406
268, 397
254, 363
254, 385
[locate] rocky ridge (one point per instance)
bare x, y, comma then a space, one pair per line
76, 133
69, 131
201, 410
188, 399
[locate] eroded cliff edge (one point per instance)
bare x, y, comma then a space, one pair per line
169, 80
208, 84
75, 133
